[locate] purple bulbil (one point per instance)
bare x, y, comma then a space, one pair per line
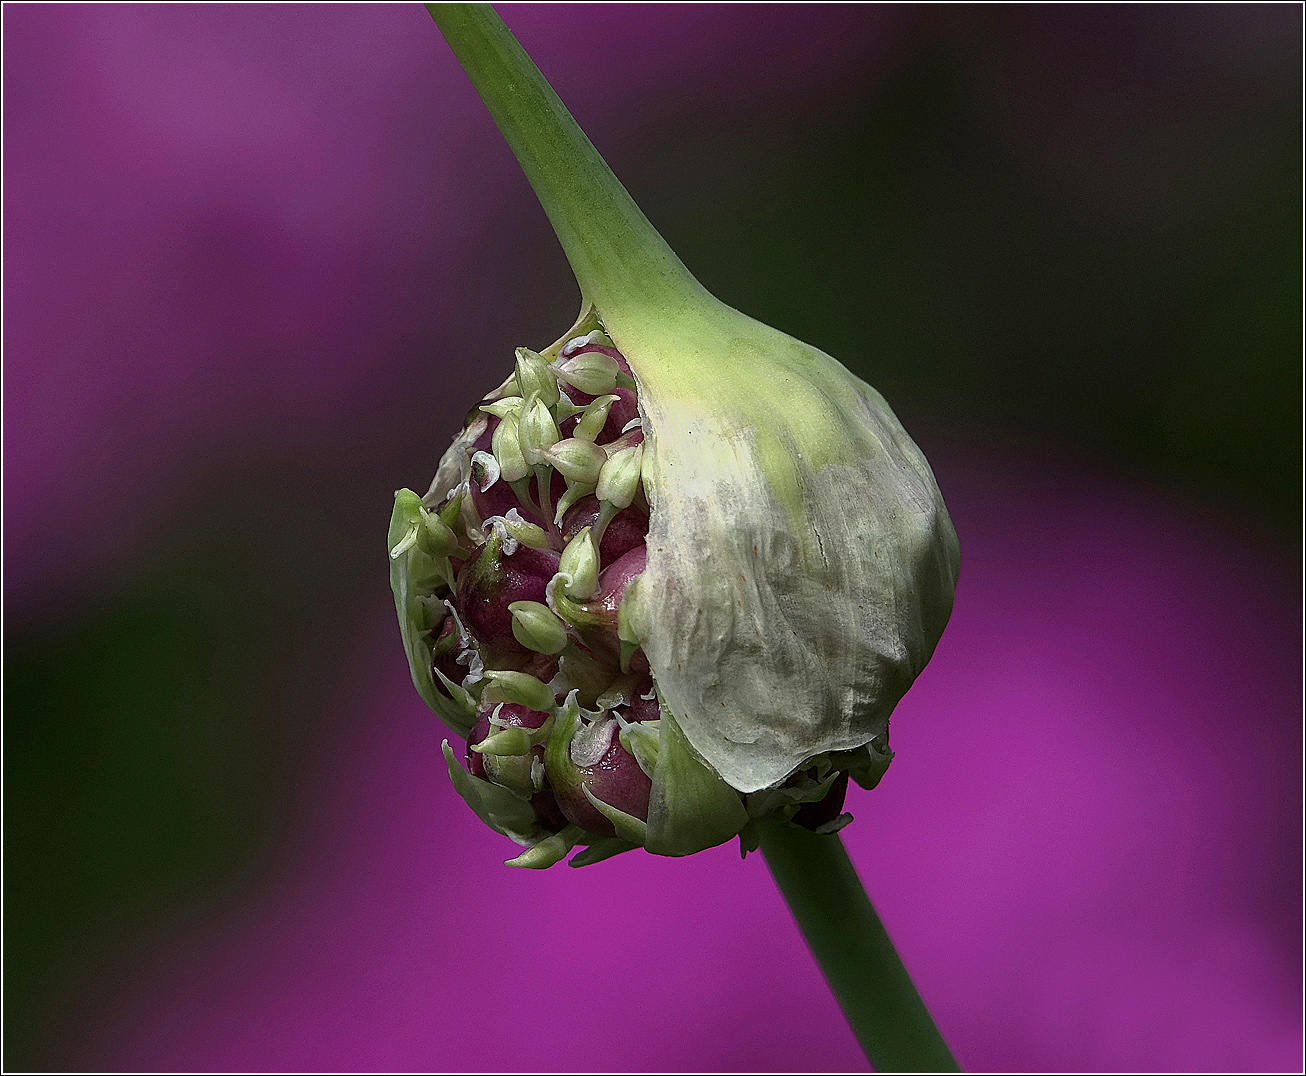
615, 777
491, 581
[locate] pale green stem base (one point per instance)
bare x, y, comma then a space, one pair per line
854, 952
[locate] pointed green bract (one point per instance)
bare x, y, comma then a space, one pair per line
497, 807
602, 848
521, 688
557, 752
691, 808
546, 853
409, 572
628, 827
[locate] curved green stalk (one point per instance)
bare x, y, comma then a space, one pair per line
621, 262
850, 944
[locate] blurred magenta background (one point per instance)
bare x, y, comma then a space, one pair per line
259, 262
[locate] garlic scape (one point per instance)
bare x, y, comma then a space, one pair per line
674, 575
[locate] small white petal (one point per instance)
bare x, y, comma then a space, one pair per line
489, 469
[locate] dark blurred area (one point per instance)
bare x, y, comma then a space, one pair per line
1079, 226
1046, 232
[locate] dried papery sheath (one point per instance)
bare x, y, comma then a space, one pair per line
801, 563
694, 561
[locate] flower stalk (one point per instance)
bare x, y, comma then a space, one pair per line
623, 266
859, 961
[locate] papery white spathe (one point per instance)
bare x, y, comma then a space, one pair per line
801, 561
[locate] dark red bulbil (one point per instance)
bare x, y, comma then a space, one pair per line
491, 581
616, 779
626, 530
598, 627
546, 808
640, 708
813, 815
500, 499
613, 581
513, 771
512, 715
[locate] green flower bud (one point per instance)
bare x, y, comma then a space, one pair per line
596, 415
575, 491
579, 567
592, 372
508, 451
537, 628
578, 460
508, 405
436, 538
520, 530
619, 479
537, 431
534, 378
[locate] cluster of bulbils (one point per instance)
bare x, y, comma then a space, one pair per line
512, 573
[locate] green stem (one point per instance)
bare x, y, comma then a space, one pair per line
850, 944
621, 262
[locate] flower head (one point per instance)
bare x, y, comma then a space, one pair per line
660, 632
677, 569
